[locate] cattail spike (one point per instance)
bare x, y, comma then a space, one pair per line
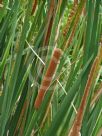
48, 77
79, 117
34, 7
70, 17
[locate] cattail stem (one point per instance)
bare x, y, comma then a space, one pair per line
48, 77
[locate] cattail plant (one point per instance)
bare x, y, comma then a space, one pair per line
48, 77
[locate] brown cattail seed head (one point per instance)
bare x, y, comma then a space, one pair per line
48, 77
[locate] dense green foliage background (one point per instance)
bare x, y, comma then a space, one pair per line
29, 32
